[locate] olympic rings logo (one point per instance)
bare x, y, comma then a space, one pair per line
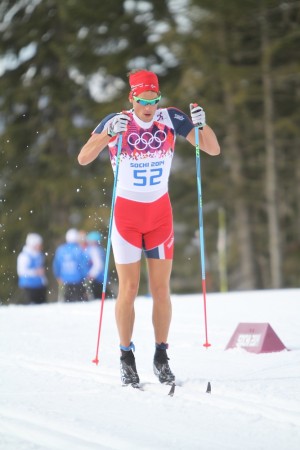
147, 139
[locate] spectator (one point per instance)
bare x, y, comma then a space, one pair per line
96, 255
31, 270
70, 267
82, 239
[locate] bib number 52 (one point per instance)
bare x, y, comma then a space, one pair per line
144, 177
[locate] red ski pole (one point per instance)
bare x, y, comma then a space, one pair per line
108, 248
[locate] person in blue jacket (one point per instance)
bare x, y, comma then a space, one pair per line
96, 255
31, 270
70, 267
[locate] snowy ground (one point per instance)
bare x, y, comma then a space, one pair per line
53, 397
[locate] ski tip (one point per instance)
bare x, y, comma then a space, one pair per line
172, 390
208, 389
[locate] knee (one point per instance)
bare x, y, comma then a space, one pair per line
160, 293
129, 290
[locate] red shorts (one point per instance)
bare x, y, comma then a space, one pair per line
142, 226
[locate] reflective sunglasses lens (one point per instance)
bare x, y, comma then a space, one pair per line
145, 102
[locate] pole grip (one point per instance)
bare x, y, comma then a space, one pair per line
193, 105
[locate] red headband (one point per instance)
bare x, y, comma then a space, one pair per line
143, 81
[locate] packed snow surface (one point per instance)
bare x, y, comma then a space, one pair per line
53, 397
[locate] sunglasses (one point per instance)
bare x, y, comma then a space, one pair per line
144, 102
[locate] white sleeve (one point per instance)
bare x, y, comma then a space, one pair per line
97, 263
22, 266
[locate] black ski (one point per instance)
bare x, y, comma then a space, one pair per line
141, 387
172, 390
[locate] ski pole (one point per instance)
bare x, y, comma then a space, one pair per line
107, 256
201, 227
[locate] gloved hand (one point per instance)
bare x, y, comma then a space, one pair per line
197, 115
118, 124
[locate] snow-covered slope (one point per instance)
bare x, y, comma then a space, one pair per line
53, 397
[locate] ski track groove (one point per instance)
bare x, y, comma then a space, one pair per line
227, 398
33, 430
224, 398
78, 372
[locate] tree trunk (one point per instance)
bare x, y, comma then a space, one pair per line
246, 275
271, 177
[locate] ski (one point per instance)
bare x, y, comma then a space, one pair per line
172, 390
140, 387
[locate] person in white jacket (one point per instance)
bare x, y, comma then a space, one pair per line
31, 270
96, 256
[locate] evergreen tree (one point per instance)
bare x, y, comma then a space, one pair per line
64, 66
220, 60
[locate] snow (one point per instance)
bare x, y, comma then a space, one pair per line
53, 397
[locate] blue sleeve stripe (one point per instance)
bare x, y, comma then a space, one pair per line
99, 128
181, 122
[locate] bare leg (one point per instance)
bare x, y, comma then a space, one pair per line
159, 283
129, 277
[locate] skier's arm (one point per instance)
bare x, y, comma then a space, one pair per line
107, 130
207, 140
93, 147
185, 127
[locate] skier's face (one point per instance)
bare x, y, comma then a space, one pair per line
145, 105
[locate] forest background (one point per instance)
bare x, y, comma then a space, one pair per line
63, 67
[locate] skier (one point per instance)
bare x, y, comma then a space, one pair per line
31, 270
143, 214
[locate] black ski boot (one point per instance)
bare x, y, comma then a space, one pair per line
129, 374
161, 366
